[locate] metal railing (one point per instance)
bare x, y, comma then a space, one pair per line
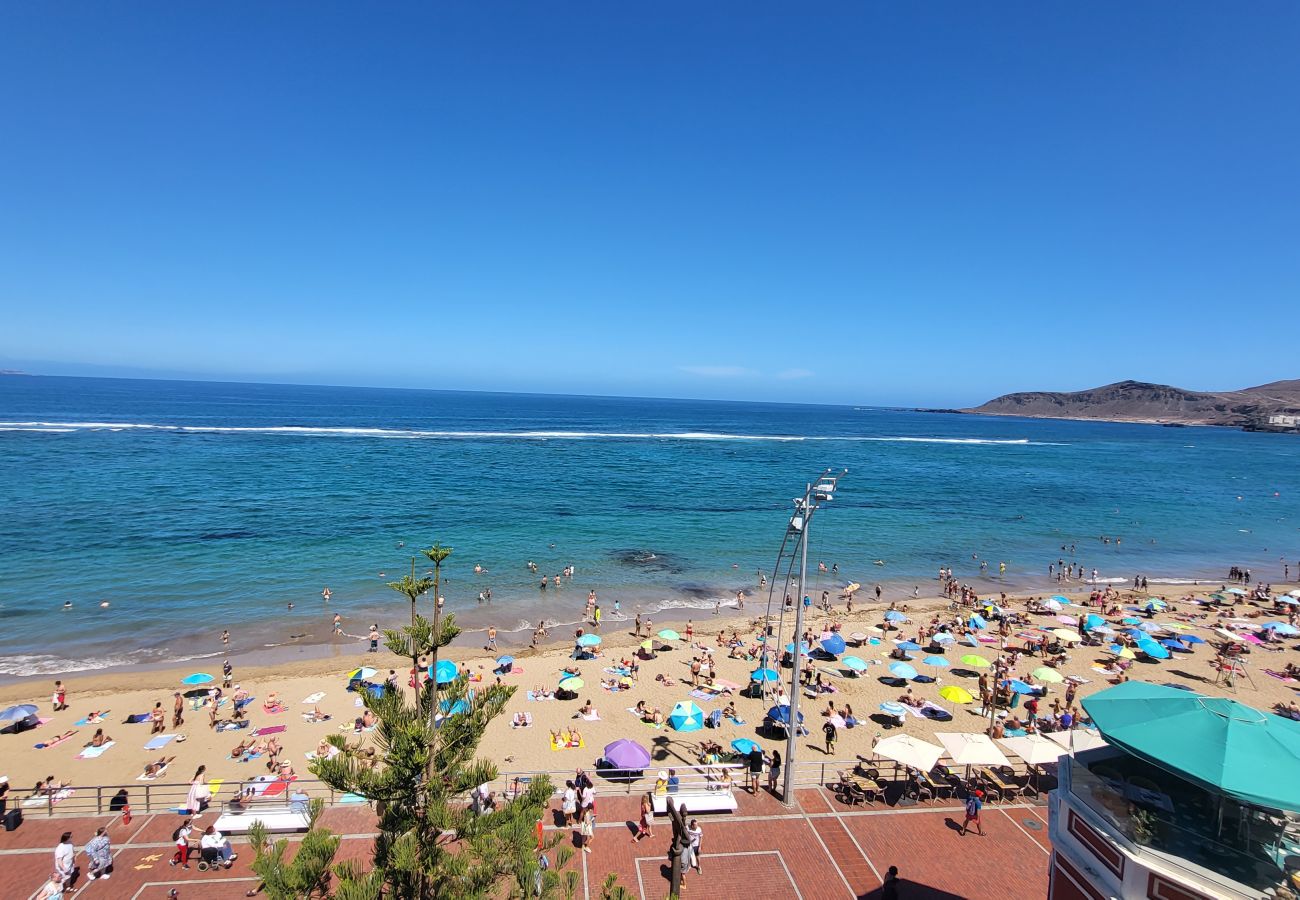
146, 798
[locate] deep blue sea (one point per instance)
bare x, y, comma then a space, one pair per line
192, 507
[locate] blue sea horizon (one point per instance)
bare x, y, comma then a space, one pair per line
193, 507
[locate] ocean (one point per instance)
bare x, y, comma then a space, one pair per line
193, 507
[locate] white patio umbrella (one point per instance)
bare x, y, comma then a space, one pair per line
910, 751
971, 749
1034, 749
1079, 739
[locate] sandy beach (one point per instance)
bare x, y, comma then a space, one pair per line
662, 681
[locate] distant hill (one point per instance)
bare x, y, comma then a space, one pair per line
1139, 401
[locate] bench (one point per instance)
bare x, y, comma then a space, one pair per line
273, 819
696, 801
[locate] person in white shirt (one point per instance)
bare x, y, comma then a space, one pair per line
215, 840
65, 857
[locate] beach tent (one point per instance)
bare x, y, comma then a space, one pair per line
971, 749
1059, 599
909, 751
781, 714
626, 754
686, 716
1220, 744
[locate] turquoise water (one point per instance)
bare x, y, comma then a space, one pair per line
193, 507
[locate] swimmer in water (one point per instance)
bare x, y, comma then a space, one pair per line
103, 605
67, 604
291, 604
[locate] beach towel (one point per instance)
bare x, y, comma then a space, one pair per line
352, 798
161, 772
64, 794
517, 670
315, 698
54, 742
137, 719
242, 703
231, 726
85, 720
273, 710
594, 717
94, 752
578, 746
160, 741
526, 723
214, 784
276, 788
735, 721
245, 757
269, 729
936, 712
1280, 676
700, 694
533, 696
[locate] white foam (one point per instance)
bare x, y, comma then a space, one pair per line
411, 433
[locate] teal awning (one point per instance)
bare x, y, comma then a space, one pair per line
1217, 743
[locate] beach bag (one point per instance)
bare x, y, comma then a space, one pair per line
584, 827
972, 807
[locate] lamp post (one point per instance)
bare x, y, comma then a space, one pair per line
804, 507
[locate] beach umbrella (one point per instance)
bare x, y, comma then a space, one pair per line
18, 713
761, 675
956, 694
1280, 628
1121, 652
1152, 649
1078, 739
1237, 591
669, 635
894, 615
909, 751
908, 645
944, 638
875, 631
572, 683
970, 639
833, 645
1065, 634
446, 672
977, 621
975, 662
204, 678
1092, 620
686, 716
1155, 606
937, 662
589, 640
1151, 627
894, 709
743, 746
971, 749
1034, 749
1054, 604
1192, 639
1067, 620
453, 709
1059, 599
803, 647
626, 754
1048, 675
1019, 686
503, 661
852, 662
902, 670
858, 637
1103, 629
781, 713
1174, 645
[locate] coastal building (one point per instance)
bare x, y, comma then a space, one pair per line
1192, 798
1284, 421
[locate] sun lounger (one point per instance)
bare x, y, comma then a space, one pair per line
95, 752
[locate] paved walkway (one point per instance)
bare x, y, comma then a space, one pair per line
817, 849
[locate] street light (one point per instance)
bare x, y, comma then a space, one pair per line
823, 491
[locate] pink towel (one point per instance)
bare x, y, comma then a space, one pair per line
269, 729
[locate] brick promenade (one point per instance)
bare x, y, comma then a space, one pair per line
817, 849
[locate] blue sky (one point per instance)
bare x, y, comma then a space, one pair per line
888, 203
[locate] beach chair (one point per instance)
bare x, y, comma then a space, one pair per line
715, 719
1006, 790
847, 791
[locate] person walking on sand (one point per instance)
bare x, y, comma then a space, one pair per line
178, 710
831, 733
60, 698
636, 628
491, 638
157, 720
974, 803
374, 639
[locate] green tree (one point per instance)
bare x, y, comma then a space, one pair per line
430, 844
309, 874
